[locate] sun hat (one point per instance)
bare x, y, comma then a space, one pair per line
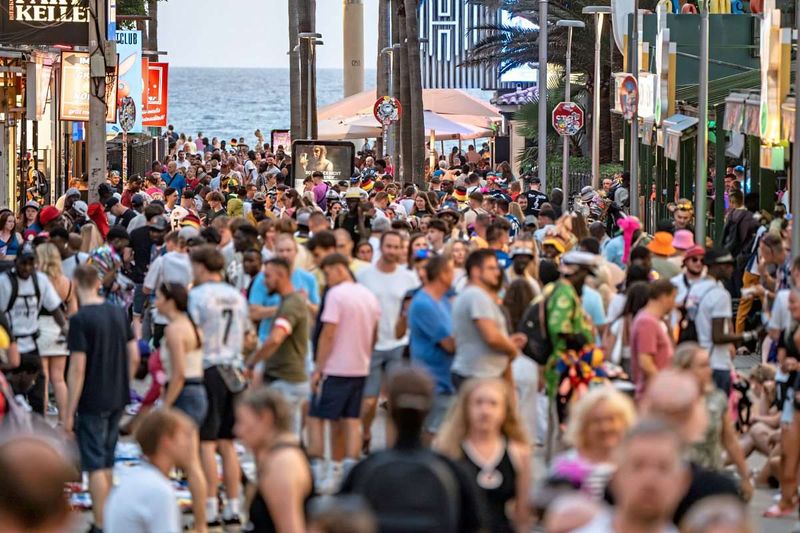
587, 193
48, 214
662, 244
573, 260
683, 239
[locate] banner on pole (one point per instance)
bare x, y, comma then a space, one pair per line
129, 80
157, 104
75, 88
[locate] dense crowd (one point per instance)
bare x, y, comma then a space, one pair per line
218, 311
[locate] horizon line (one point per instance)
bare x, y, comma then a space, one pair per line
257, 68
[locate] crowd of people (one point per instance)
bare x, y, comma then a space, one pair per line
213, 304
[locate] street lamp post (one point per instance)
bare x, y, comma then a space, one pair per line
599, 13
796, 147
701, 172
542, 87
569, 24
314, 40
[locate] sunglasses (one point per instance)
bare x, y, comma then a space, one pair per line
694, 259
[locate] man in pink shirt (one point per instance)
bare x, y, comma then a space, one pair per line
349, 331
651, 344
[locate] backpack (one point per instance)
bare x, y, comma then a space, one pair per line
731, 239
409, 491
534, 324
687, 330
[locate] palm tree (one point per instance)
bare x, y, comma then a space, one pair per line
383, 66
508, 47
295, 105
152, 25
417, 160
397, 128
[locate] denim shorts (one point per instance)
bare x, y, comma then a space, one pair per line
193, 401
439, 409
97, 436
338, 397
382, 363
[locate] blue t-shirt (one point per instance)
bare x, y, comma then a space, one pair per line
593, 306
613, 251
177, 181
301, 280
430, 322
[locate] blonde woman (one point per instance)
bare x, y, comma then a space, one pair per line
51, 343
597, 423
484, 434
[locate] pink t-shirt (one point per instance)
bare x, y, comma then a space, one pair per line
650, 335
355, 311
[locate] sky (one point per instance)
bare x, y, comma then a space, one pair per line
253, 33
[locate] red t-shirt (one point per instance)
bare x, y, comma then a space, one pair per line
649, 334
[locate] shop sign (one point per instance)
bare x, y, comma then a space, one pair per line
75, 89
48, 22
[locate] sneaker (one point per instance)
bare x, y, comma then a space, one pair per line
233, 520
214, 525
52, 410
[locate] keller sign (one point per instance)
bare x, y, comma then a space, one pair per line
56, 22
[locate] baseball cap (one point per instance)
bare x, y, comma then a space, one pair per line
48, 214
81, 207
137, 199
188, 232
520, 250
303, 218
259, 198
694, 251
159, 224
111, 202
72, 191
531, 220
573, 260
31, 203
104, 188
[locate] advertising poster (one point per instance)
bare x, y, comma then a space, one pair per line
75, 89
333, 159
129, 79
281, 138
157, 106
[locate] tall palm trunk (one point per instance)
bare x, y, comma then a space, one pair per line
405, 97
152, 25
417, 162
295, 85
384, 61
306, 23
398, 127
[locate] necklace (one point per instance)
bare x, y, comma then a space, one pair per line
488, 477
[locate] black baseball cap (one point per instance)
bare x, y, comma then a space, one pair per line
718, 256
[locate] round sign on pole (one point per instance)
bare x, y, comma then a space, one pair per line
629, 97
127, 114
567, 118
387, 110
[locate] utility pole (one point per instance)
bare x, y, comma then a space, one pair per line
353, 46
542, 87
634, 61
96, 130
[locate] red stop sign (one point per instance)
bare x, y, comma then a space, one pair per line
567, 118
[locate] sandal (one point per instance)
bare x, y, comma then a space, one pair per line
775, 511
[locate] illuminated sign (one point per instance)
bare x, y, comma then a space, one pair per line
45, 22
75, 89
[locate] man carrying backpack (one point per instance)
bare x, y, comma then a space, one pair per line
409, 487
24, 292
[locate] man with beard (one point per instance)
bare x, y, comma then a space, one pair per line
484, 347
134, 187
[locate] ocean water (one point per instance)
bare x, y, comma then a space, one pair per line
230, 102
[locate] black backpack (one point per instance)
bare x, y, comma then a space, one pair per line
534, 325
409, 491
12, 278
687, 330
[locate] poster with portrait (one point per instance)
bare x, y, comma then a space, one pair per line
280, 138
333, 158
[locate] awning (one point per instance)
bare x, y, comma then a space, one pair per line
444, 127
441, 101
674, 127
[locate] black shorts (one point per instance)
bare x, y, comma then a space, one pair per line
158, 334
338, 397
97, 436
220, 417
